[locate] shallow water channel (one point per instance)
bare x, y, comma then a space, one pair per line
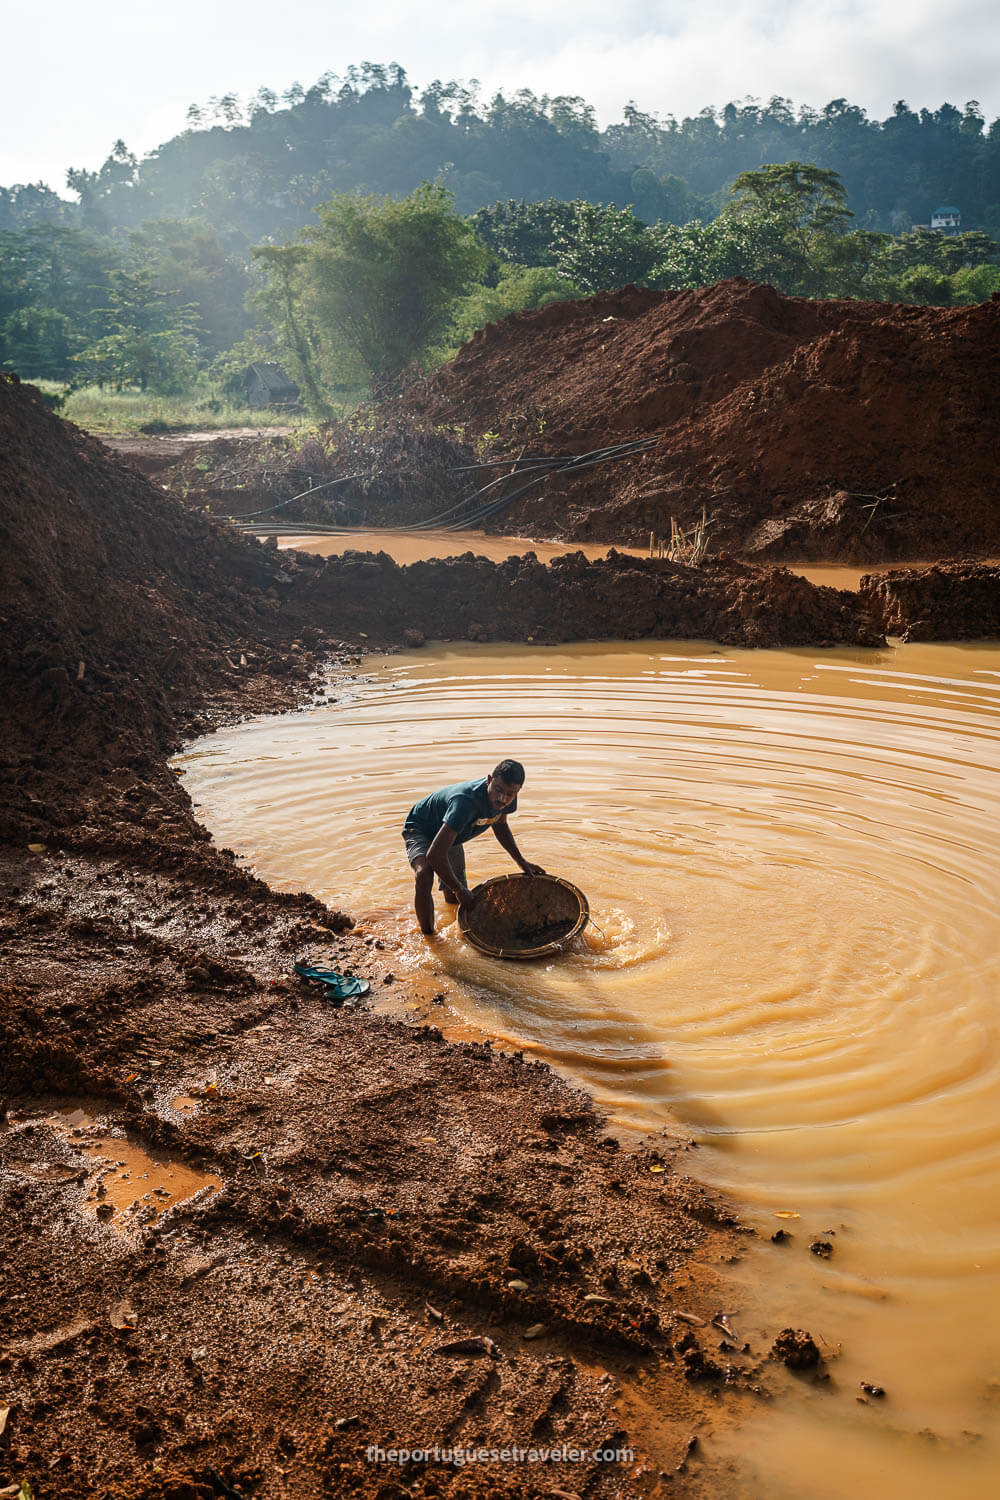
420, 546
791, 859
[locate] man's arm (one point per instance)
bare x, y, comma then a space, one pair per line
437, 855
504, 837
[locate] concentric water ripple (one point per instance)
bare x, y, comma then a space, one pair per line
792, 867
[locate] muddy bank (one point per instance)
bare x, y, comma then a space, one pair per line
617, 598
370, 597
956, 601
385, 1194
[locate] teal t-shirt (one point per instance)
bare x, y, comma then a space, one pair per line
465, 807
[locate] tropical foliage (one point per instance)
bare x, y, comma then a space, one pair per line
369, 289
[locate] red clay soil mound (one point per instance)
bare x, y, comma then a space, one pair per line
833, 430
120, 611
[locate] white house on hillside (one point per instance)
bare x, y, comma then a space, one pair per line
948, 220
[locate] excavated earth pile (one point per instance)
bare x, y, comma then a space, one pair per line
808, 430
122, 615
399, 1240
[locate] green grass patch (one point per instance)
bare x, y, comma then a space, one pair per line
134, 411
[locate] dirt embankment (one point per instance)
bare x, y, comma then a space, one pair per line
122, 616
571, 599
835, 430
387, 1196
948, 602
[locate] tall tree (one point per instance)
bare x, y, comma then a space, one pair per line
280, 299
377, 280
38, 342
52, 281
606, 247
193, 269
805, 209
148, 341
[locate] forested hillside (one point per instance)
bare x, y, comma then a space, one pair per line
144, 276
257, 168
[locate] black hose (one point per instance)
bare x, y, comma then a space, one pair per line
567, 465
499, 463
541, 466
584, 461
250, 515
435, 521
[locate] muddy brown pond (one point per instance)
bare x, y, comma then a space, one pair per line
791, 860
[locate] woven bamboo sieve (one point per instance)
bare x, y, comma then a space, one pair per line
524, 916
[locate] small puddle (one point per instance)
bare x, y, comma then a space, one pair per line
126, 1187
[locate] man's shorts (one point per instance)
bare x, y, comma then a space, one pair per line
417, 845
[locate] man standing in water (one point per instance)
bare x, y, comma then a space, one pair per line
438, 826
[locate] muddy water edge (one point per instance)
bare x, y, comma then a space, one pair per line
791, 863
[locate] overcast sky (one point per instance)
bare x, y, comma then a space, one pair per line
78, 74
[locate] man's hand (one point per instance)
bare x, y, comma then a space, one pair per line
532, 869
466, 899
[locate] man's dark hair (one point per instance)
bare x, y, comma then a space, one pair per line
510, 771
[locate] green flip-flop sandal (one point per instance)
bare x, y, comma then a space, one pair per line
337, 987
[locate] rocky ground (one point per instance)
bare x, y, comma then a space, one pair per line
415, 1244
